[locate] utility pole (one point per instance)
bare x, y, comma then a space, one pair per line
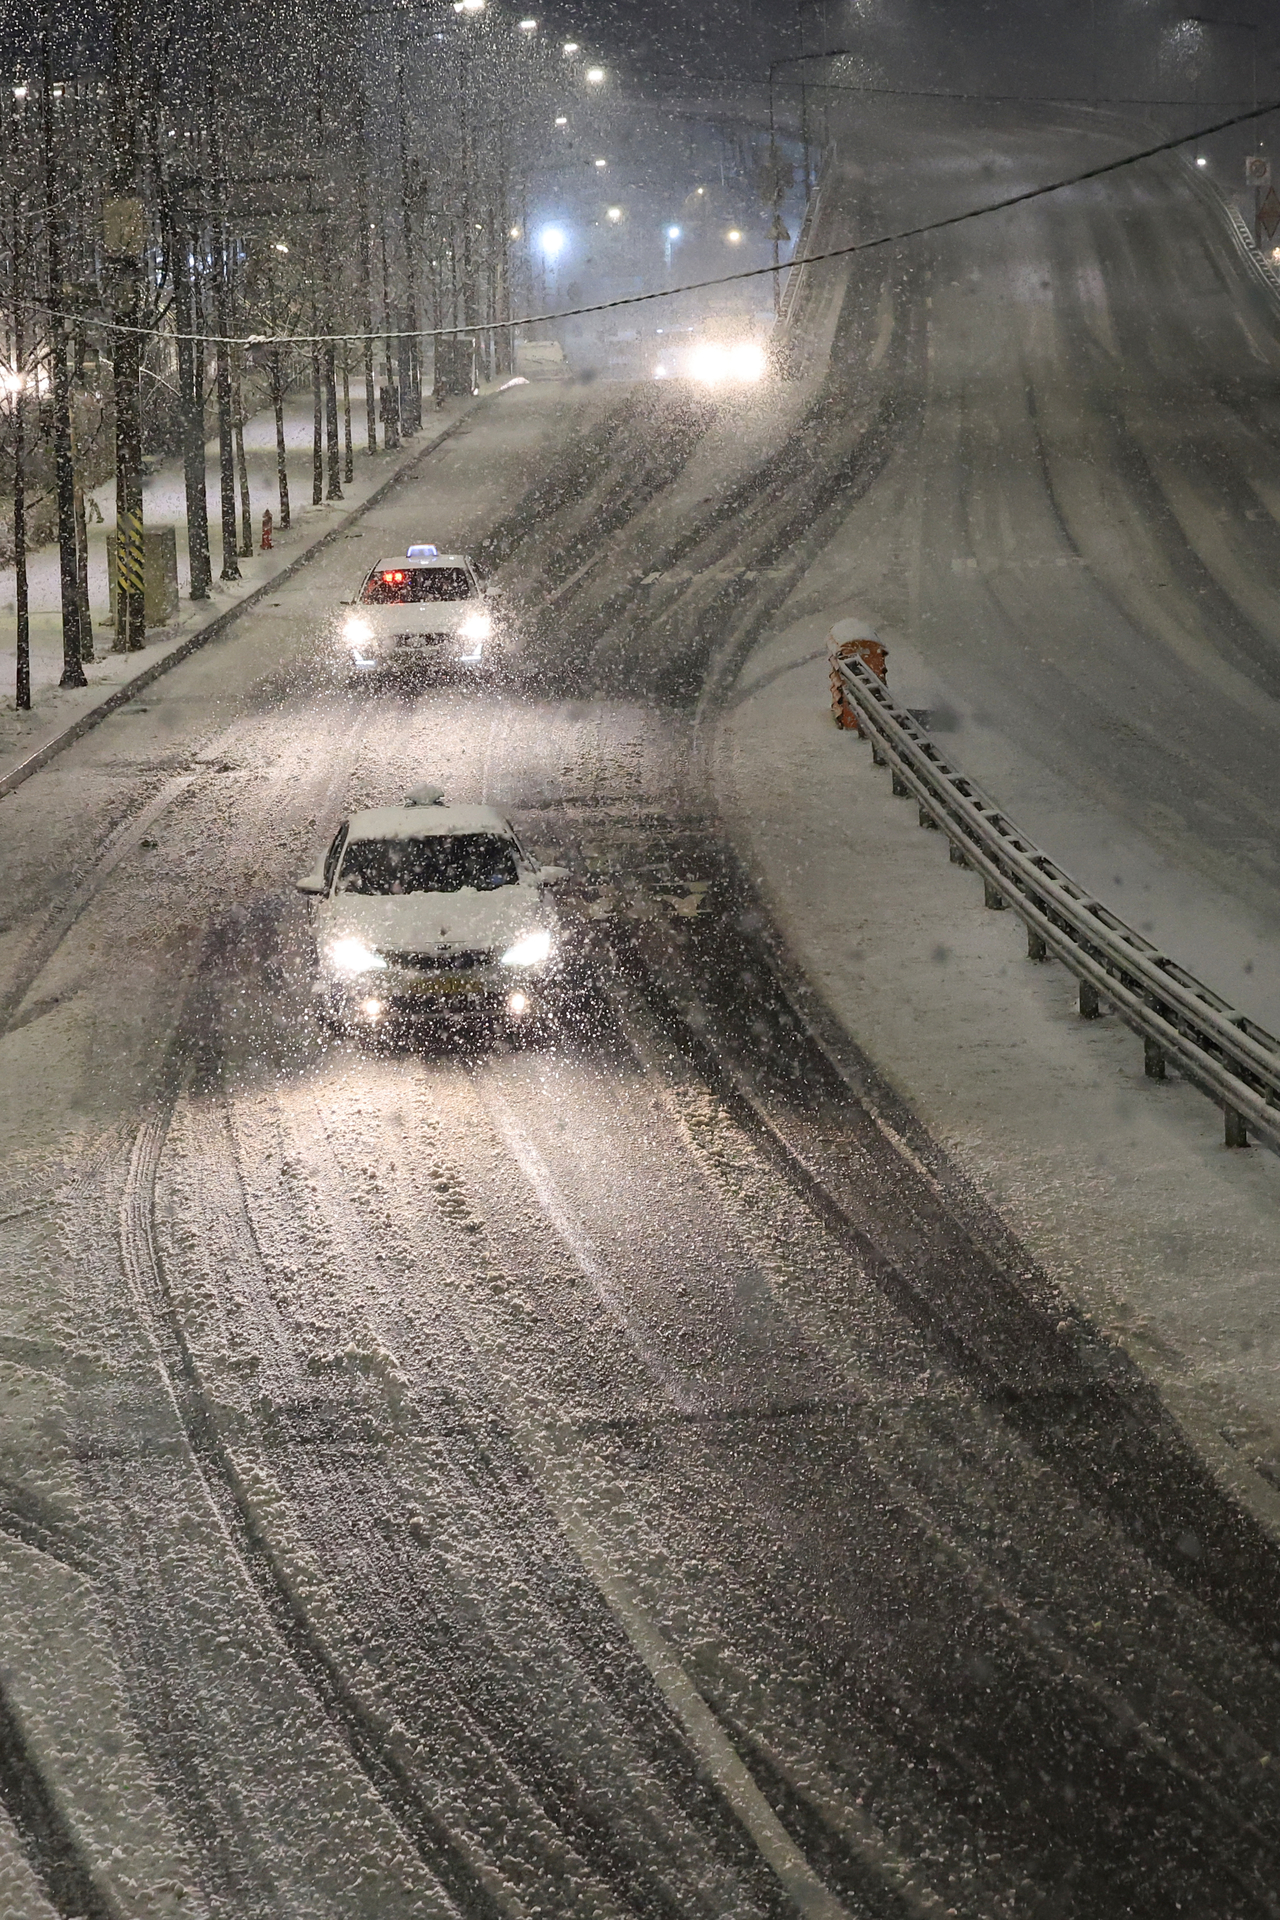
124, 236
64, 473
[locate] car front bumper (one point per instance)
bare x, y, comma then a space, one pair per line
402, 994
389, 652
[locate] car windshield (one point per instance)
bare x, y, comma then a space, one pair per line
437, 863
406, 586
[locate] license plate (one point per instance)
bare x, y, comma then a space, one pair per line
435, 983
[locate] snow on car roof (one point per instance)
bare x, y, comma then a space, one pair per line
400, 563
418, 823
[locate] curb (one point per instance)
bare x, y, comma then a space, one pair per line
120, 696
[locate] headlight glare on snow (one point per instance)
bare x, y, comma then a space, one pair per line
530, 950
356, 631
350, 955
477, 626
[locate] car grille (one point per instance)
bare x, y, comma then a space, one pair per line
441, 962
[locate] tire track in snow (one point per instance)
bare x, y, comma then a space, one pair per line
510, 1510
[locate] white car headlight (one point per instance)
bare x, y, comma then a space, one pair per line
477, 626
356, 631
530, 950
351, 955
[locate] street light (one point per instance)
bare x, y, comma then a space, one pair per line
570, 47
733, 236
562, 119
595, 75
528, 26
552, 241
468, 6
602, 163
613, 213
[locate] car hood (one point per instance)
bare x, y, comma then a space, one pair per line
422, 616
436, 922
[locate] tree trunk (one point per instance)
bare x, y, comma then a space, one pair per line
124, 237
82, 555
226, 450
317, 424
64, 477
282, 455
391, 427
410, 368
332, 433
191, 388
348, 452
22, 684
222, 355
242, 469
366, 276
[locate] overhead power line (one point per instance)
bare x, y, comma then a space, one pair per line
893, 239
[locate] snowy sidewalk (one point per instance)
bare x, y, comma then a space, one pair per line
27, 738
1119, 1186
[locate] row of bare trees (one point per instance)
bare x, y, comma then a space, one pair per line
207, 207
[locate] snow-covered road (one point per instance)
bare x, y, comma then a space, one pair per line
628, 1474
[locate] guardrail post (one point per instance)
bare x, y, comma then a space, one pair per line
879, 758
900, 786
1152, 1058
1235, 1132
1090, 1005
955, 854
992, 896
1036, 948
927, 819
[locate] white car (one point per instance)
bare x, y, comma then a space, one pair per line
418, 609
432, 909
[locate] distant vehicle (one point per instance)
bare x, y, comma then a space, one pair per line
541, 360
725, 350
419, 609
426, 909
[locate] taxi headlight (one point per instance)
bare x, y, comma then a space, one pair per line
477, 626
356, 631
530, 950
350, 955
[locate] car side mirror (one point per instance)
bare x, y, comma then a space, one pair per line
551, 876
310, 883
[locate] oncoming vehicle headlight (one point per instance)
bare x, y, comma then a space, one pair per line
477, 626
356, 631
530, 950
741, 363
351, 955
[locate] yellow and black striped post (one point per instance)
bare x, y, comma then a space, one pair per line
131, 616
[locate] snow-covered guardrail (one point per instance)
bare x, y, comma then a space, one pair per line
795, 274
1262, 269
1226, 1055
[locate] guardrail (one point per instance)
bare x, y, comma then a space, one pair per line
795, 274
1245, 245
1181, 1021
